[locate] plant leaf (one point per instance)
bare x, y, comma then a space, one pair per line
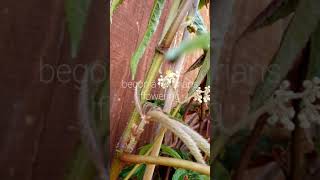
276, 10
314, 61
76, 15
179, 174
295, 38
198, 42
201, 75
169, 151
203, 3
197, 63
114, 5
151, 28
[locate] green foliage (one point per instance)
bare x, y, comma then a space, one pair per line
198, 42
170, 152
138, 174
203, 3
201, 75
76, 15
301, 27
151, 28
180, 174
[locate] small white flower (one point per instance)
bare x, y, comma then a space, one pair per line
202, 96
198, 95
168, 80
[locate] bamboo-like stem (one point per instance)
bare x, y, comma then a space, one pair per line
157, 145
158, 138
165, 161
133, 170
170, 96
150, 77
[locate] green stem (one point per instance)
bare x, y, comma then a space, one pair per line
151, 75
165, 161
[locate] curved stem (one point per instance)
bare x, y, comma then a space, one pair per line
165, 161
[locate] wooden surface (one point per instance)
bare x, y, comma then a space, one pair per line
128, 25
39, 125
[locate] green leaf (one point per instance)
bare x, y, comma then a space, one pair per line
197, 63
179, 174
138, 173
114, 5
295, 39
170, 152
203, 3
276, 10
198, 42
76, 15
314, 61
201, 74
220, 172
143, 150
151, 28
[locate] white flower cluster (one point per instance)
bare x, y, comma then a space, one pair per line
202, 96
309, 113
281, 113
168, 80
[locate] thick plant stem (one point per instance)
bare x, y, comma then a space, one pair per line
165, 161
158, 138
170, 96
150, 77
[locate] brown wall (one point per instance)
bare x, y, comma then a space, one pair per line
128, 25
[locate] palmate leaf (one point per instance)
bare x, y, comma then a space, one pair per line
201, 74
276, 10
76, 15
301, 27
151, 28
198, 42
